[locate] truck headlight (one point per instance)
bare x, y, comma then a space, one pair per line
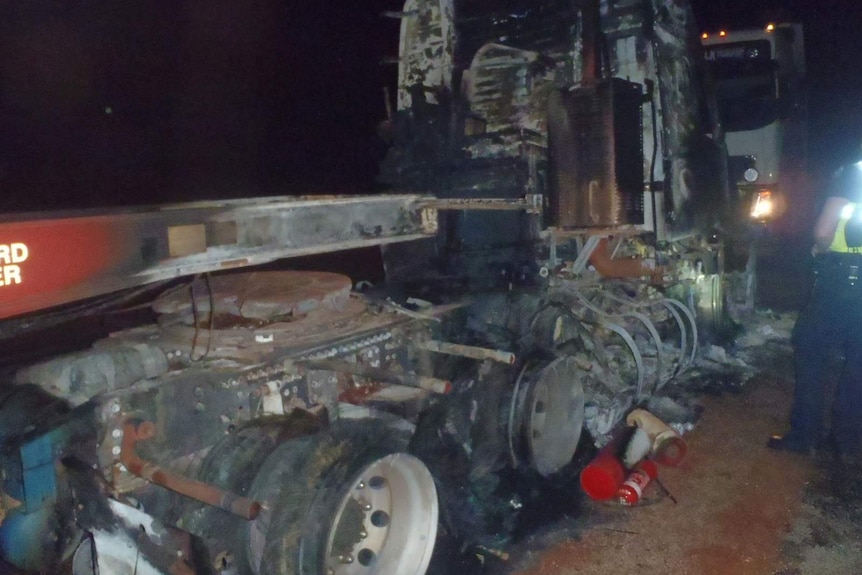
763, 206
751, 175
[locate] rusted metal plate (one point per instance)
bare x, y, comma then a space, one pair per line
250, 341
265, 296
51, 259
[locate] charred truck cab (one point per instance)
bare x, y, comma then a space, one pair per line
596, 115
558, 269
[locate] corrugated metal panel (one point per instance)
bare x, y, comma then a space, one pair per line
596, 156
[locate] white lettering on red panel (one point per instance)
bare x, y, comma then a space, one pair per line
10, 256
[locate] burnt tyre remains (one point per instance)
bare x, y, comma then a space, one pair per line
348, 501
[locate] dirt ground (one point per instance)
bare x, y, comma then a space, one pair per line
740, 508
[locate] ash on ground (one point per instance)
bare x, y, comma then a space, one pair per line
548, 512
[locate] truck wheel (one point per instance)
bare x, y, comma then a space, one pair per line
232, 464
546, 415
344, 502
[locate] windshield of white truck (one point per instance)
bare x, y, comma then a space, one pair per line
746, 85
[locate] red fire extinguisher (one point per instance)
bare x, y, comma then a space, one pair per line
632, 489
602, 478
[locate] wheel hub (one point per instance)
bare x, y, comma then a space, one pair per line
386, 522
547, 416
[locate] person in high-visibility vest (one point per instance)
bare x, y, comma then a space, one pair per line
831, 323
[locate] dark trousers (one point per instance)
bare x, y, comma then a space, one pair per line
831, 323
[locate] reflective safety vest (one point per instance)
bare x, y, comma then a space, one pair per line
848, 234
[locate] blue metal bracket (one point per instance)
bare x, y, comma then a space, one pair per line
40, 481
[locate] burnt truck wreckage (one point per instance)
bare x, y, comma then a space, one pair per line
274, 422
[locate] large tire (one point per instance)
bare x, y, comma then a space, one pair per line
232, 465
347, 501
489, 439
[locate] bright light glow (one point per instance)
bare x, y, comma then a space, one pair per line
770, 27
704, 35
722, 33
847, 211
763, 206
751, 175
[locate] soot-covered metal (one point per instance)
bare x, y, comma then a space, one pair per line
287, 422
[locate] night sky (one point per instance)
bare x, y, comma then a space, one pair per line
107, 103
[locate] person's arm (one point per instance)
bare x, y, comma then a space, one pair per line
827, 223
